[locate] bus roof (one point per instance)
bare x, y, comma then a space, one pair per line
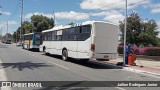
31, 33
75, 25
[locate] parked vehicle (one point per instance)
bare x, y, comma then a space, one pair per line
32, 40
94, 40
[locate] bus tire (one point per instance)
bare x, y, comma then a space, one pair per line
84, 60
44, 51
28, 47
64, 55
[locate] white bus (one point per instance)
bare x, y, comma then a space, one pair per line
92, 40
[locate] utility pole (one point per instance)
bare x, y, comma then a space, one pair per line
54, 17
1, 34
125, 30
1, 14
1, 31
21, 30
16, 37
7, 31
1, 27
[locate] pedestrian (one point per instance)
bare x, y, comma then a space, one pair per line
128, 51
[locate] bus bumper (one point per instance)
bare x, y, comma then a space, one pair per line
35, 46
104, 57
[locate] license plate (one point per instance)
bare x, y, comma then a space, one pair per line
106, 57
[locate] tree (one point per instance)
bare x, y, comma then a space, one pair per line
71, 23
149, 33
27, 27
42, 23
38, 24
139, 32
16, 34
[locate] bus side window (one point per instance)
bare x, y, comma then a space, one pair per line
26, 37
65, 34
49, 36
31, 36
45, 36
53, 35
86, 29
59, 35
73, 34
41, 39
84, 33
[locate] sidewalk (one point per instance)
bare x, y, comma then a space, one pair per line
145, 66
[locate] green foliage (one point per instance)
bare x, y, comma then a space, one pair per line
153, 52
41, 23
14, 36
71, 23
140, 32
38, 24
120, 50
27, 27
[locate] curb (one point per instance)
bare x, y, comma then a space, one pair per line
112, 65
141, 71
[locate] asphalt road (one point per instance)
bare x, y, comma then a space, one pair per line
18, 64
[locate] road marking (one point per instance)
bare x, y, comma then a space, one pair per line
58, 65
120, 88
3, 77
143, 73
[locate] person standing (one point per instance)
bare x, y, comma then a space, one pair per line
128, 51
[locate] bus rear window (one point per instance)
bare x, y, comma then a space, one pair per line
38, 36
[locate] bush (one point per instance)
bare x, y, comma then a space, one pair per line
120, 50
150, 51
153, 51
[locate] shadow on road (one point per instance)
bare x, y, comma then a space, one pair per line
90, 64
24, 65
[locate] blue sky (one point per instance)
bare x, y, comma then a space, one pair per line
76, 11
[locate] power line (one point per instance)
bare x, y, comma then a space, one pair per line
95, 10
107, 9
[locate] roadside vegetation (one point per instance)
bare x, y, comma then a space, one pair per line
142, 34
38, 23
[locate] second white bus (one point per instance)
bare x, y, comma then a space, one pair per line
92, 40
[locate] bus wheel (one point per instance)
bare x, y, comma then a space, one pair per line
64, 55
28, 47
44, 51
22, 47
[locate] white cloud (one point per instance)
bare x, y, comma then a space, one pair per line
111, 16
4, 23
62, 15
155, 10
111, 10
12, 22
37, 13
99, 14
155, 7
5, 13
158, 23
110, 4
71, 15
